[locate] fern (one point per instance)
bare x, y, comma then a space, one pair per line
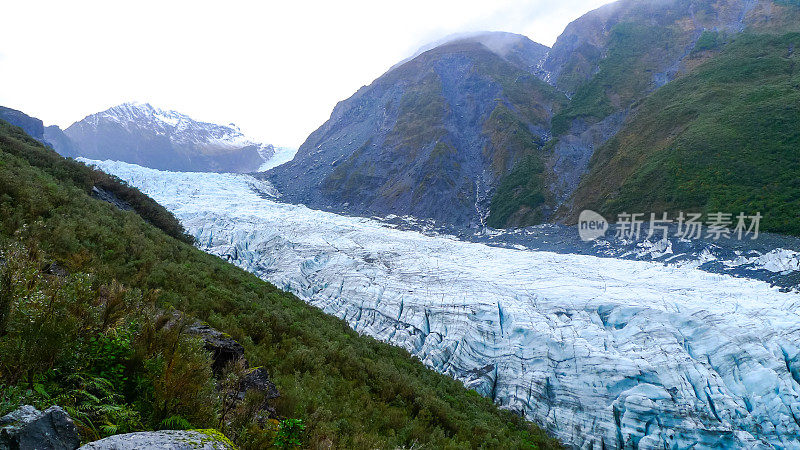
175, 423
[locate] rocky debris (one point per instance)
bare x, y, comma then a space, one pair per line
164, 440
55, 269
108, 196
258, 379
225, 351
27, 428
223, 348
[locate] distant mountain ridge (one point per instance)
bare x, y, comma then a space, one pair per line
142, 134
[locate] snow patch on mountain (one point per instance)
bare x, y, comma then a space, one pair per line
143, 134
179, 127
602, 352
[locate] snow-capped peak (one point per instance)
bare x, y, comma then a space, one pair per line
141, 133
179, 127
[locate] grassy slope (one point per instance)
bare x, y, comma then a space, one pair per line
350, 390
622, 76
723, 138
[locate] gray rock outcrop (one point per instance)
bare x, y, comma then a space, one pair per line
163, 440
223, 348
27, 428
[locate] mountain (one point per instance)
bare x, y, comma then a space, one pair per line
89, 294
432, 136
31, 125
612, 59
142, 134
465, 133
57, 139
725, 137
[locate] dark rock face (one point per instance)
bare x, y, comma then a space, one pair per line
167, 140
258, 379
30, 125
431, 137
30, 429
225, 352
223, 348
108, 196
55, 269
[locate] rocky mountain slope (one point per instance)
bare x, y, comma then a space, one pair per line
142, 134
432, 136
31, 125
465, 133
722, 138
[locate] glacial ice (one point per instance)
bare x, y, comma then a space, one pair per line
602, 352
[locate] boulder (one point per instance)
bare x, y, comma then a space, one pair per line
222, 347
164, 440
27, 428
258, 379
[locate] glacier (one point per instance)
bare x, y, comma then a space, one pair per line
600, 351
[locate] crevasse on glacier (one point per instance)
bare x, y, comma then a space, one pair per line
600, 351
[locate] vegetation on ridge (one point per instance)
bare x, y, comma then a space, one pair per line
722, 138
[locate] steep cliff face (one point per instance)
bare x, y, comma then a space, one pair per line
432, 136
608, 61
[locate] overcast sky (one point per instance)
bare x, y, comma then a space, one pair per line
275, 68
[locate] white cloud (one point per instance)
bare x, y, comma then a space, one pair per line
274, 68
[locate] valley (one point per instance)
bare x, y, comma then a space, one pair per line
597, 350
413, 274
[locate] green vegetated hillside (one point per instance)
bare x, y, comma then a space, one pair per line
96, 341
720, 136
624, 74
725, 138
